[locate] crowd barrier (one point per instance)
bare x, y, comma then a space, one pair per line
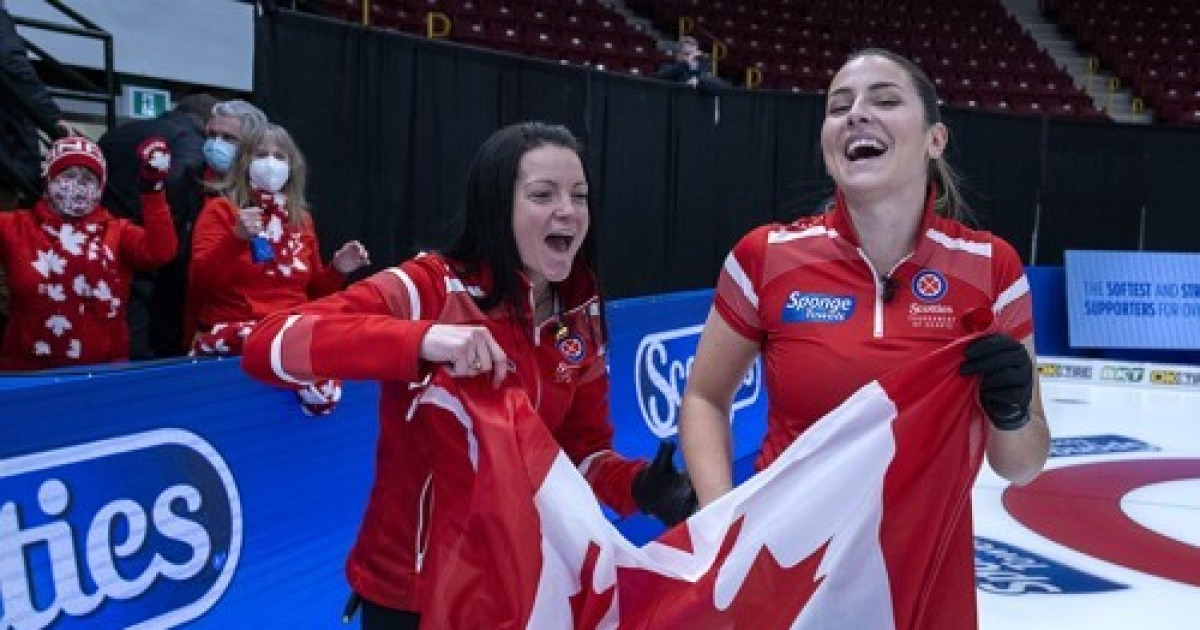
150, 496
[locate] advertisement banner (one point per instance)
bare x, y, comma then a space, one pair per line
154, 495
1136, 300
652, 348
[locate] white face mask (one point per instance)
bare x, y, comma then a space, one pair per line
269, 173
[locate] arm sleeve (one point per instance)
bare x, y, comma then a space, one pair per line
370, 331
739, 285
187, 159
586, 437
214, 246
671, 71
154, 243
1013, 304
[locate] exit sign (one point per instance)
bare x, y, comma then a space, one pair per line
141, 102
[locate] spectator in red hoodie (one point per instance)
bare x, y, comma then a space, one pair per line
254, 252
70, 261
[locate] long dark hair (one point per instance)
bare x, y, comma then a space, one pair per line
487, 237
950, 201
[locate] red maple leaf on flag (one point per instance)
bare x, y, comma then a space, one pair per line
771, 596
589, 606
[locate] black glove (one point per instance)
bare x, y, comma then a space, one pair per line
663, 492
1006, 388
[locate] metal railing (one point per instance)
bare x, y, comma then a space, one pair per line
82, 88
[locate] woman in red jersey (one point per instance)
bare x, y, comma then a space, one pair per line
888, 275
515, 293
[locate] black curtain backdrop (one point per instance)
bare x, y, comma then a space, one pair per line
389, 122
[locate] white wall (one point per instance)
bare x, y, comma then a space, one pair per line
205, 42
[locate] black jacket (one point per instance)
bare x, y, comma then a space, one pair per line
185, 137
185, 194
682, 71
24, 104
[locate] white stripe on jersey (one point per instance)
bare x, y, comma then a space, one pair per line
783, 236
586, 464
971, 247
439, 397
455, 285
414, 298
741, 279
1010, 295
277, 353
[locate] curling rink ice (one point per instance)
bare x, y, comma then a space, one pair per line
1109, 536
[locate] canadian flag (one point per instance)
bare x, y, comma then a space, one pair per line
863, 522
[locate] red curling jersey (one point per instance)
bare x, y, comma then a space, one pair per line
827, 323
373, 331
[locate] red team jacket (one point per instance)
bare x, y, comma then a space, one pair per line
29, 240
373, 331
827, 324
225, 285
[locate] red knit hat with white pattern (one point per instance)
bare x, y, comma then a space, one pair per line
75, 151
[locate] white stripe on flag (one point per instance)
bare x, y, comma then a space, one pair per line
791, 510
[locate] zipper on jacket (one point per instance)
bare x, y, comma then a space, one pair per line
880, 287
422, 541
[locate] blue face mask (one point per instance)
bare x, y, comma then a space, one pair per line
218, 152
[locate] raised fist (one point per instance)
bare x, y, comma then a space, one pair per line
352, 256
155, 159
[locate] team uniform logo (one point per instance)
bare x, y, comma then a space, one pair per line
572, 348
817, 308
929, 285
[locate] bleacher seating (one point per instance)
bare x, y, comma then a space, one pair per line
570, 31
975, 52
1152, 46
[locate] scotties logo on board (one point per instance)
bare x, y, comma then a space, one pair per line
817, 308
142, 531
663, 362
